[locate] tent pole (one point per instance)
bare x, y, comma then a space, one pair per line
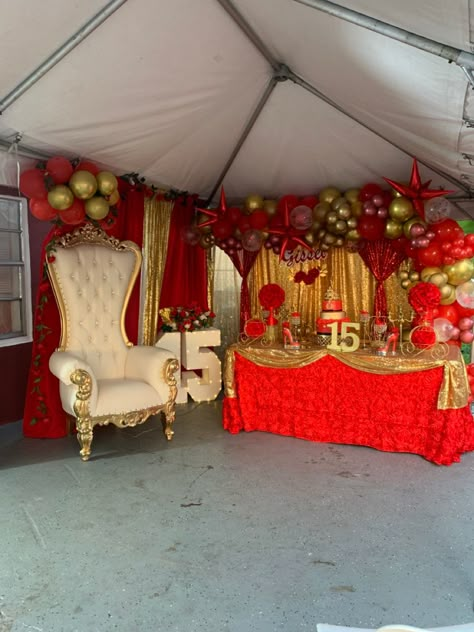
249, 32
23, 150
75, 39
460, 57
307, 86
255, 114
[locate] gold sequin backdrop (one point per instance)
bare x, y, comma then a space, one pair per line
345, 271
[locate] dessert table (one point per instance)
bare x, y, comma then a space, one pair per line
416, 404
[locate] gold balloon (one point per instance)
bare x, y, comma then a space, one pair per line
393, 229
329, 239
357, 208
344, 212
207, 241
61, 197
329, 194
106, 182
403, 275
321, 233
320, 211
401, 209
270, 206
409, 223
395, 193
339, 242
201, 219
338, 202
83, 184
340, 227
406, 283
439, 279
114, 198
448, 294
96, 207
352, 222
315, 226
353, 235
352, 195
310, 238
331, 217
458, 272
428, 271
253, 202
414, 276
324, 246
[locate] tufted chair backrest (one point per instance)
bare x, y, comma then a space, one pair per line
92, 277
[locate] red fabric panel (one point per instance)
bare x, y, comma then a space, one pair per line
243, 260
328, 401
43, 416
185, 274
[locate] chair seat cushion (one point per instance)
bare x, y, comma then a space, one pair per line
117, 396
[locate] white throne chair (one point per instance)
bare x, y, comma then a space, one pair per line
104, 379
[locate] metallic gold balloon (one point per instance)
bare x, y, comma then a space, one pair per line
393, 229
448, 294
401, 209
83, 184
321, 233
339, 242
353, 235
315, 226
344, 211
329, 239
201, 219
352, 195
357, 208
428, 271
340, 227
61, 197
406, 283
439, 279
310, 238
458, 272
114, 198
329, 194
331, 217
252, 202
414, 276
270, 206
207, 241
395, 193
409, 223
403, 275
106, 182
338, 202
96, 207
320, 211
352, 222
324, 246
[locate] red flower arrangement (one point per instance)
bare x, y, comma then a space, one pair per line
190, 318
423, 337
424, 297
271, 296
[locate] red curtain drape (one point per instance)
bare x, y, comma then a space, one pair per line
243, 260
43, 416
185, 273
382, 259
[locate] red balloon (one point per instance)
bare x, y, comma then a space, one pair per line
400, 244
234, 214
243, 224
258, 219
60, 169
371, 227
290, 200
85, 165
447, 230
32, 184
42, 209
368, 191
431, 255
75, 214
469, 239
309, 200
449, 312
461, 310
222, 229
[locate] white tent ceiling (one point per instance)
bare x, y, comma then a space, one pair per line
167, 88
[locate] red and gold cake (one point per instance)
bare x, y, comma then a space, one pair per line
331, 312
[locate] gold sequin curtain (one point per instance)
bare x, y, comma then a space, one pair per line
345, 271
155, 241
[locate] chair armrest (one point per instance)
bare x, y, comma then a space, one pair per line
63, 364
151, 364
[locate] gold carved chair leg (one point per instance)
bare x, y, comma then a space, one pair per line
83, 381
169, 412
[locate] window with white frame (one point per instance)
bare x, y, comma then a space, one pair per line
15, 283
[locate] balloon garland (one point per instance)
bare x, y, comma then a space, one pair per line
68, 193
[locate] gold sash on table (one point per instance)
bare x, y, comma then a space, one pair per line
454, 391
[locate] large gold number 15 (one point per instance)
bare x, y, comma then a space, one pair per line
345, 334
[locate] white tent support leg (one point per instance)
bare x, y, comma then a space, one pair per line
80, 35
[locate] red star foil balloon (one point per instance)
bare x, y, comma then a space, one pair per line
288, 233
216, 213
417, 191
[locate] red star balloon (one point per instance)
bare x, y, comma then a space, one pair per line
216, 213
288, 233
417, 191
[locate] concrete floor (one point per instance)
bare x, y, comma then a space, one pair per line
223, 533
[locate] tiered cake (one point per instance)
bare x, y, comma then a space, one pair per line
332, 312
